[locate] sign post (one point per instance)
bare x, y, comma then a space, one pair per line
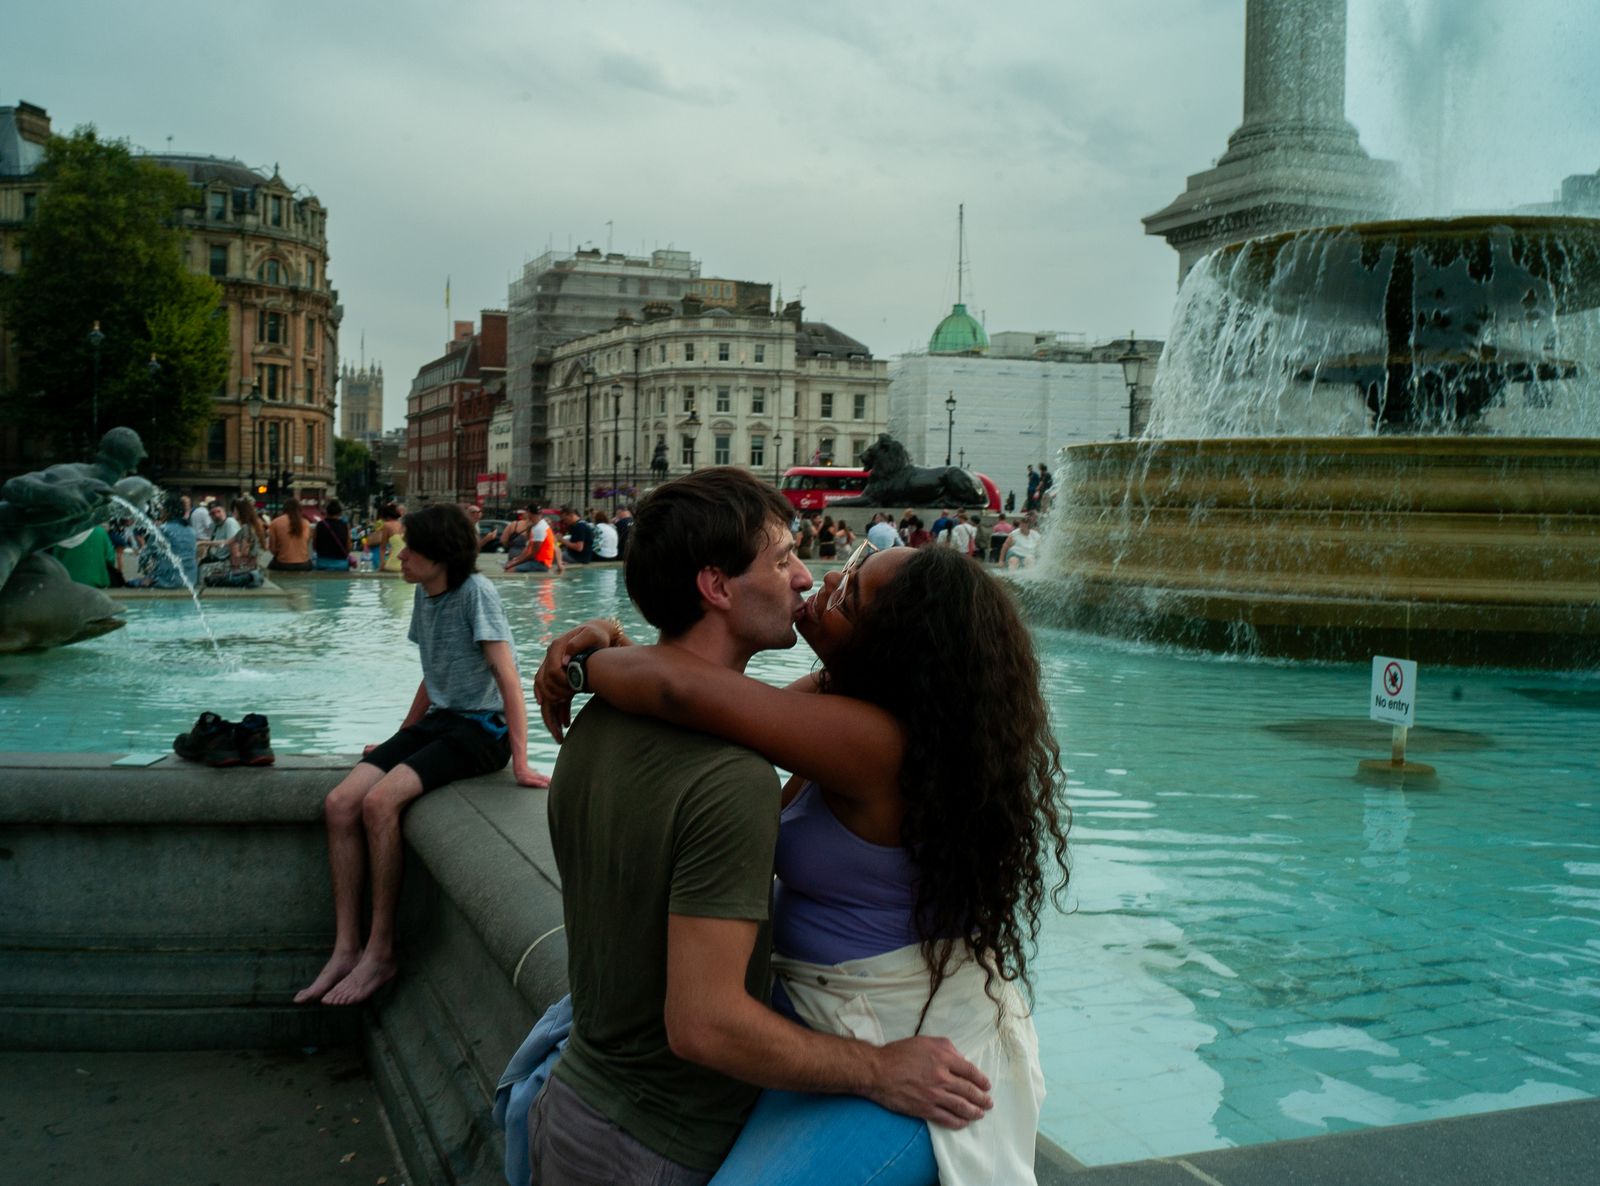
1393, 700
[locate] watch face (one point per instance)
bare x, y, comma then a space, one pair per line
575, 674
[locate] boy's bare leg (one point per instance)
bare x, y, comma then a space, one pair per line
381, 814
347, 863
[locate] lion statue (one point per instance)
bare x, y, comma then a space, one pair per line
894, 481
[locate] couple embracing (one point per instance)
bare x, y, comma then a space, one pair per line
857, 1018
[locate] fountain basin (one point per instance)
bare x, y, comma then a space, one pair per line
1464, 550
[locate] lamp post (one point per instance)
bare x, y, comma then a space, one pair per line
777, 457
588, 420
96, 340
616, 439
1133, 364
950, 425
692, 424
460, 474
252, 403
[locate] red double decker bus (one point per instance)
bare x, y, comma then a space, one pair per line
814, 487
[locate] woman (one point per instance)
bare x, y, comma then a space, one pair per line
331, 540
1021, 545
388, 540
246, 550
289, 537
827, 540
912, 856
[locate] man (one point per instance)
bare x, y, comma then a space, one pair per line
881, 533
945, 521
539, 552
664, 841
221, 528
199, 518
578, 533
467, 718
980, 536
624, 525
1032, 503
961, 535
1046, 480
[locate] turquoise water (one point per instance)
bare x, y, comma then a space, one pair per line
1259, 947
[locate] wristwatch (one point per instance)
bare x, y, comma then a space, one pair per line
577, 672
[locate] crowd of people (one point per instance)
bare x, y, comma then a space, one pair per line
1006, 541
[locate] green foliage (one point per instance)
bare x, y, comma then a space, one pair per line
107, 246
350, 460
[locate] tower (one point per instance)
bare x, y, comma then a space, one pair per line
1294, 161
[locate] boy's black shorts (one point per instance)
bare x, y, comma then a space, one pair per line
445, 747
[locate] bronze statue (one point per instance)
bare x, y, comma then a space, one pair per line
894, 481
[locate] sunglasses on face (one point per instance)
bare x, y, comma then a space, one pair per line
851, 567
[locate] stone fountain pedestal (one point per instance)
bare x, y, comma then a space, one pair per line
1464, 550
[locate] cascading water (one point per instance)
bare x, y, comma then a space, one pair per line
153, 533
1375, 437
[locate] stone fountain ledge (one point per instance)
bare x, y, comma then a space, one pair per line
167, 906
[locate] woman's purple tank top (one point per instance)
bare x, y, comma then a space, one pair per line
838, 897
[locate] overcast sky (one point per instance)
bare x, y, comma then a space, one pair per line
822, 146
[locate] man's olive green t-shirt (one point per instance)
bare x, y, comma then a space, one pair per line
646, 820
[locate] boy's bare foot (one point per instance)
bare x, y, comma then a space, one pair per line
366, 978
336, 969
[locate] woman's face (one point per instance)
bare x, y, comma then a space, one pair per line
828, 630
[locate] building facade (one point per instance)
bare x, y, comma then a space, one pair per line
448, 411
265, 244
561, 296
1030, 396
361, 403
693, 385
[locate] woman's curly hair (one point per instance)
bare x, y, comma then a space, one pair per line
942, 647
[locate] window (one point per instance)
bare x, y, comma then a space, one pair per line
311, 334
797, 405
688, 400
622, 284
827, 405
686, 449
311, 444
758, 401
311, 382
217, 441
270, 272
761, 354
273, 430
30, 206
724, 399
311, 273
825, 447
722, 449
723, 349
217, 206
269, 327
661, 401
275, 210
688, 352
859, 412
644, 290
758, 452
218, 265
858, 446
270, 379
662, 355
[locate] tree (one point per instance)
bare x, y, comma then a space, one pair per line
350, 459
106, 246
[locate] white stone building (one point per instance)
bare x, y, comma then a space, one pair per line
700, 385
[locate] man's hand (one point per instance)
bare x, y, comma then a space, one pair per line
527, 776
550, 686
928, 1078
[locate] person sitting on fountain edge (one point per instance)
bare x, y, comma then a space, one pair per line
467, 718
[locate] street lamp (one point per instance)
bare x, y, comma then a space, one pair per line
777, 455
616, 442
96, 340
460, 473
950, 425
1133, 365
692, 424
588, 419
252, 403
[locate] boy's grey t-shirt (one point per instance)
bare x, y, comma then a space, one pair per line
448, 629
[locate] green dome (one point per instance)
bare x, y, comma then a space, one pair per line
959, 333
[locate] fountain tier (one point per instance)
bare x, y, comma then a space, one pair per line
1476, 550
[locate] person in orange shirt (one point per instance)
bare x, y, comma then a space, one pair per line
289, 537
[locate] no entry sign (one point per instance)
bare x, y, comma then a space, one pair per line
1394, 690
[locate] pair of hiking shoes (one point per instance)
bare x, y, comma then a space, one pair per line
217, 742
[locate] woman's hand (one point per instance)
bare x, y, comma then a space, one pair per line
527, 776
550, 686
